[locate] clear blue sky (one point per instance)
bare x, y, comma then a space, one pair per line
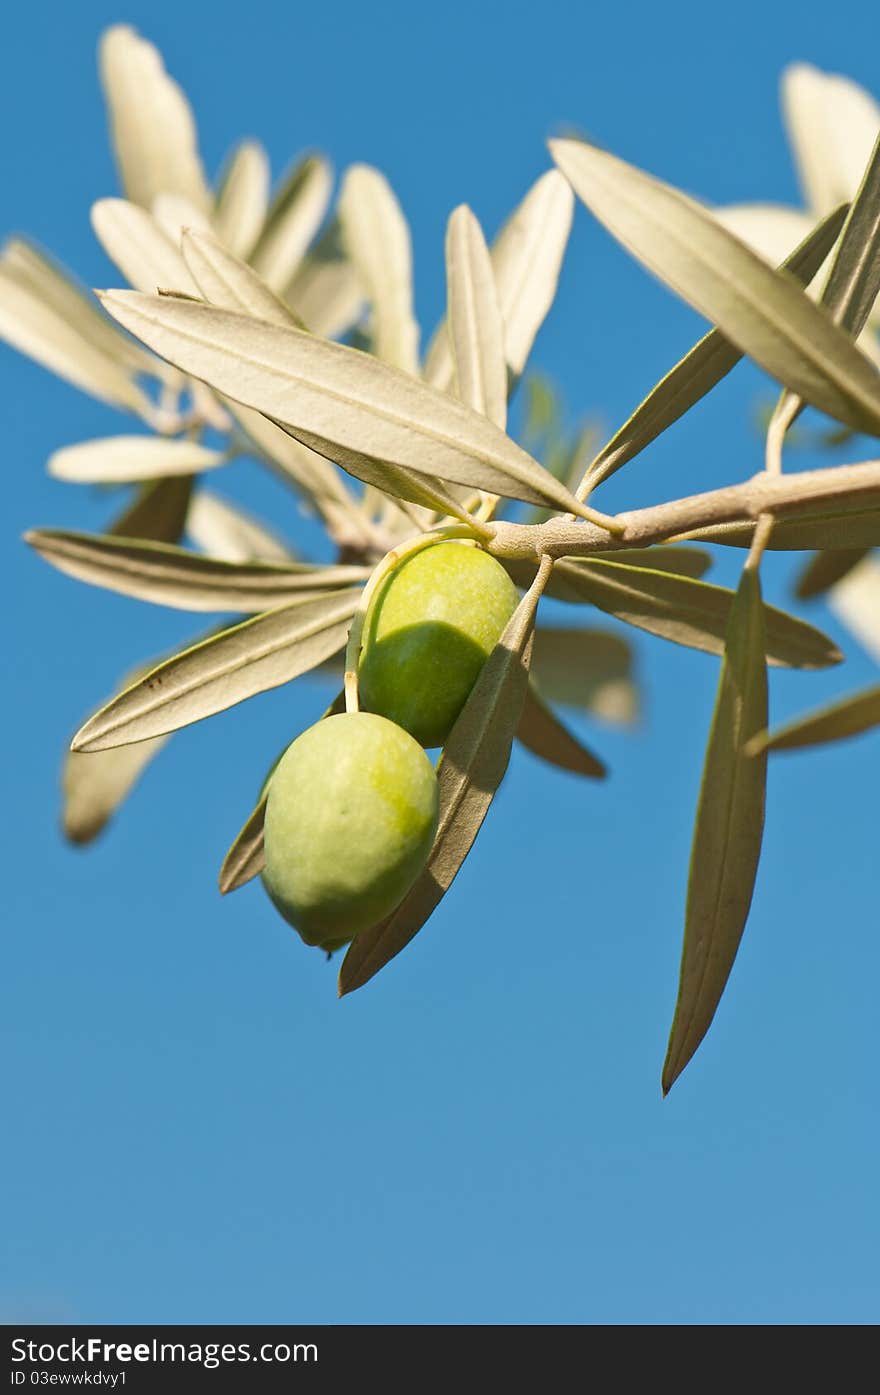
196, 1129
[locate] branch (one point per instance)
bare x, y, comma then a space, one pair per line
841, 486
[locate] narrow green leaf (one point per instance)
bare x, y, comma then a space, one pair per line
825, 569
854, 280
130, 459
825, 531
688, 612
707, 363
294, 217
476, 329
763, 311
226, 281
245, 858
347, 399
728, 831
167, 575
542, 733
243, 198
159, 511
588, 669
236, 664
470, 770
151, 124
526, 259
849, 716
377, 238
680, 561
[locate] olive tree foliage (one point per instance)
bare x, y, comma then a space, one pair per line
279, 324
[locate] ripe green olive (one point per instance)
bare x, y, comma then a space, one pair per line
428, 631
350, 819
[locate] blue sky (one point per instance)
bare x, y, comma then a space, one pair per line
198, 1130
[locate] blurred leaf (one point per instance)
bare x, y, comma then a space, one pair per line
226, 281
707, 363
235, 664
37, 328
587, 669
728, 831
56, 288
129, 459
294, 216
856, 601
172, 214
476, 329
542, 733
243, 198
225, 531
159, 511
377, 239
309, 472
469, 772
325, 291
142, 250
339, 396
825, 569
761, 310
832, 123
526, 258
151, 124
689, 612
167, 575
849, 716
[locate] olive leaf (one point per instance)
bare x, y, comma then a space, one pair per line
245, 858
587, 669
476, 329
377, 238
469, 772
225, 669
856, 601
325, 291
128, 459
242, 198
542, 733
727, 833
707, 363
825, 569
172, 576
526, 259
827, 531
226, 281
307, 470
56, 287
225, 531
159, 511
854, 280
680, 561
763, 311
94, 785
689, 612
294, 216
337, 395
173, 213
142, 250
37, 327
151, 124
849, 716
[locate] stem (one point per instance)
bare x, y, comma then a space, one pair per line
838, 487
388, 564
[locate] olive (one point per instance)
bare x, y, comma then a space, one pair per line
428, 631
350, 820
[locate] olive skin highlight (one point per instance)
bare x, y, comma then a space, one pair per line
350, 819
428, 632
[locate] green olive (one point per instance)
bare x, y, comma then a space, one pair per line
428, 632
350, 819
